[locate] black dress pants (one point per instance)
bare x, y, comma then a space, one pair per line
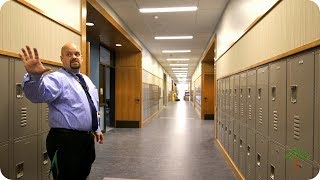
75, 153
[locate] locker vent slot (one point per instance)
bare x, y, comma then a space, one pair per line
273, 93
23, 115
258, 160
275, 120
47, 113
235, 107
19, 170
296, 127
241, 109
260, 115
250, 112
272, 171
259, 93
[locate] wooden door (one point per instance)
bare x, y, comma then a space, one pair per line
207, 104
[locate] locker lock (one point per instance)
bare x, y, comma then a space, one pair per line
19, 91
19, 170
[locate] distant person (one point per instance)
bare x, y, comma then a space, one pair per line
73, 102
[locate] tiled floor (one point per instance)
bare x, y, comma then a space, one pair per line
175, 145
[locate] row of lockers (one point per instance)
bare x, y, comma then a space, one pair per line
278, 101
151, 97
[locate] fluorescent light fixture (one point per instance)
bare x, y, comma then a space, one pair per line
178, 64
179, 68
168, 9
89, 24
179, 71
173, 37
178, 59
118, 45
175, 51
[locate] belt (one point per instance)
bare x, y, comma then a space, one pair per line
63, 130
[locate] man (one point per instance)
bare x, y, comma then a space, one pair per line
73, 102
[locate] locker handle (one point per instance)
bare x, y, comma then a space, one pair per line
258, 159
19, 170
234, 138
249, 148
240, 143
235, 92
45, 158
241, 92
259, 93
249, 92
294, 93
273, 93
272, 171
19, 91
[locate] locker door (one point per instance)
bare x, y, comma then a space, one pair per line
226, 136
25, 112
261, 157
44, 163
276, 161
4, 159
277, 102
243, 149
25, 158
223, 109
300, 99
236, 140
251, 152
218, 110
298, 169
227, 95
262, 101
317, 108
230, 140
44, 113
243, 98
4, 105
236, 99
251, 98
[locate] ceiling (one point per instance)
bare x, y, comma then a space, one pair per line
200, 24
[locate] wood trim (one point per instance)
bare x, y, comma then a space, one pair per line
211, 45
32, 7
229, 160
108, 17
83, 42
256, 21
16, 55
277, 57
88, 58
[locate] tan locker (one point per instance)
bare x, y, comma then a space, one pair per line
261, 157
277, 101
317, 109
300, 102
251, 152
25, 112
262, 101
231, 97
44, 161
236, 140
251, 98
25, 158
243, 98
276, 161
4, 105
243, 149
236, 99
227, 103
230, 140
4, 159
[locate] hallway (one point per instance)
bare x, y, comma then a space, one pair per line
175, 145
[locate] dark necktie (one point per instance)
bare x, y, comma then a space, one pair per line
92, 107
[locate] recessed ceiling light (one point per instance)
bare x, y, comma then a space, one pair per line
178, 59
180, 71
178, 64
179, 68
168, 9
175, 51
172, 37
118, 45
89, 24
156, 17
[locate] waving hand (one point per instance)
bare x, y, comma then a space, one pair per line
32, 64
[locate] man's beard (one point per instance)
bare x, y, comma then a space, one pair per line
75, 65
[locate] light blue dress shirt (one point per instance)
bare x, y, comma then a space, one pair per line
68, 104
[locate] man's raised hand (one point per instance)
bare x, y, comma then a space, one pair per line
32, 64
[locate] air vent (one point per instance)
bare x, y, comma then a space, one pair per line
250, 112
260, 115
296, 127
23, 115
275, 120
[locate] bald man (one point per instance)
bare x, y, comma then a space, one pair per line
72, 99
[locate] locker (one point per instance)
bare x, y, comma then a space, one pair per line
236, 140
277, 102
227, 103
236, 99
4, 159
251, 152
226, 136
261, 157
276, 161
243, 98
231, 98
230, 140
25, 158
262, 101
25, 112
44, 119
222, 135
251, 98
44, 161
4, 105
300, 102
317, 108
243, 149
298, 169
223, 102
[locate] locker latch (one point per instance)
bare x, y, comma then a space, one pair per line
19, 170
294, 93
272, 171
249, 148
19, 91
259, 93
45, 158
273, 93
258, 159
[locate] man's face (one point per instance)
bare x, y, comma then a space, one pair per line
71, 57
